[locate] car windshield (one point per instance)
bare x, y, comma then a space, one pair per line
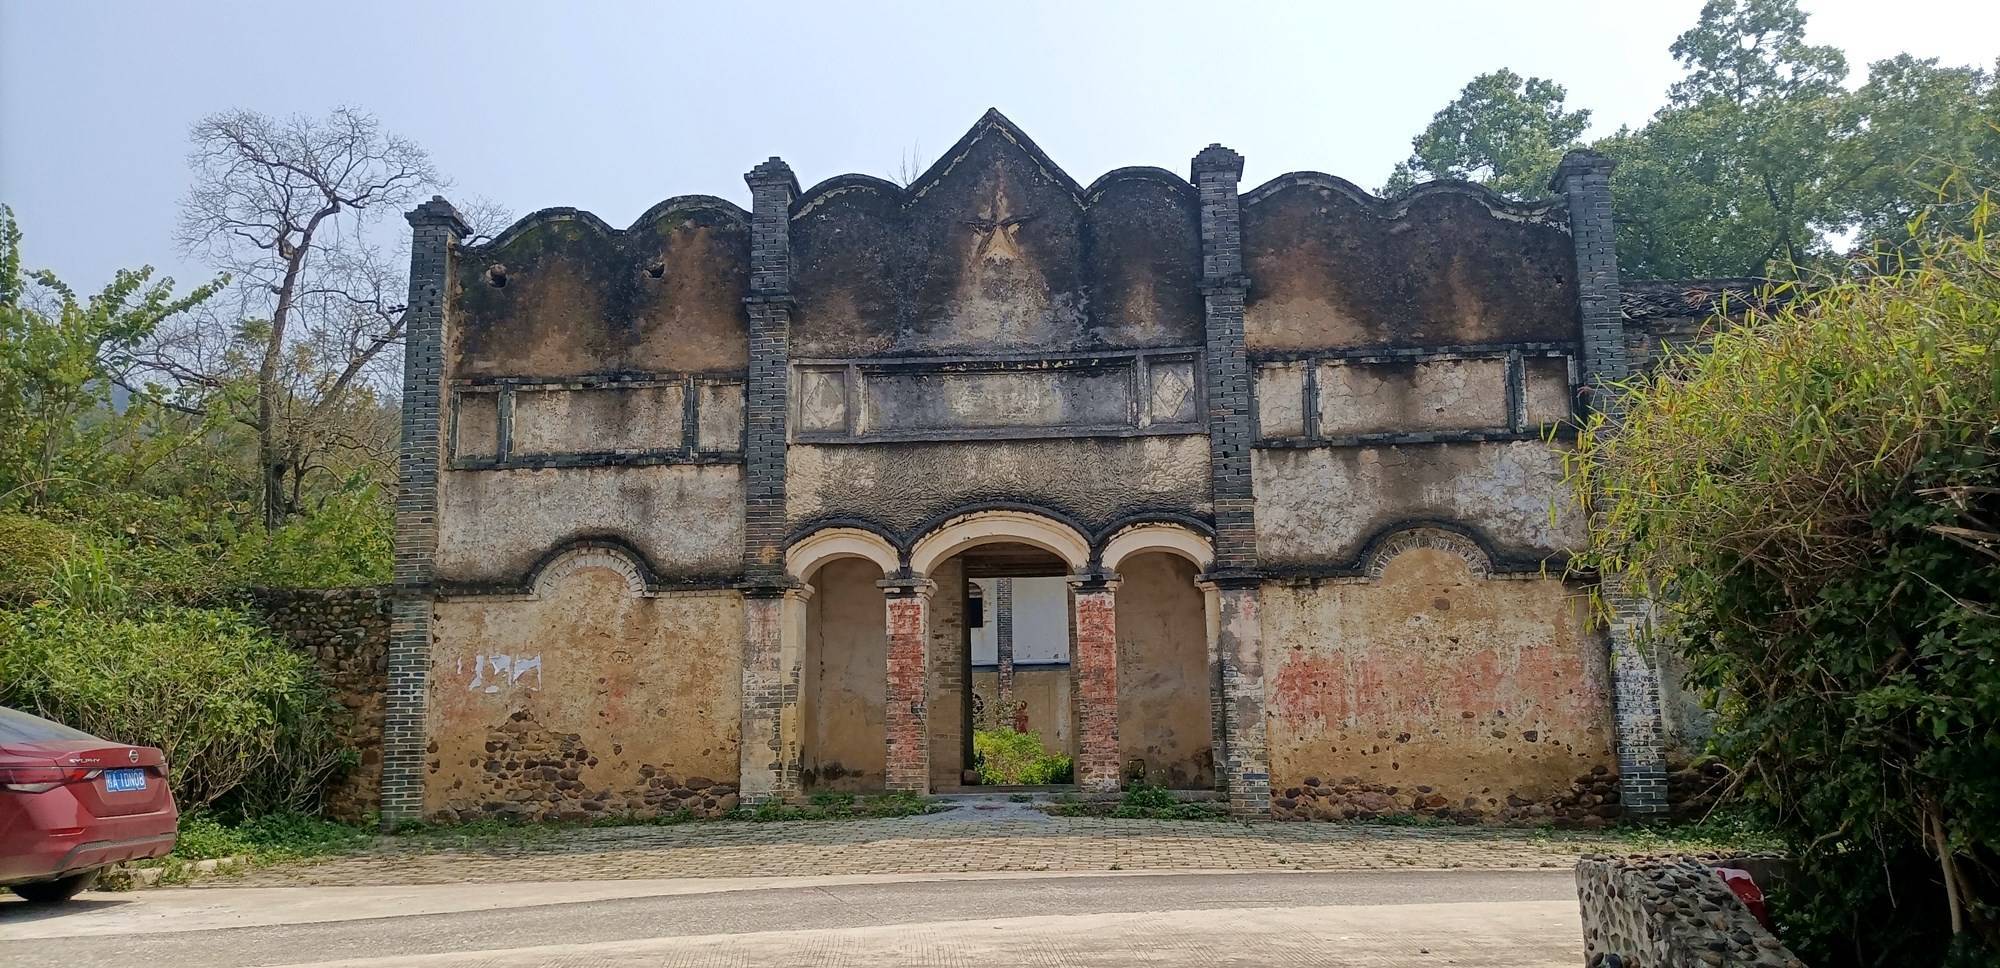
19, 727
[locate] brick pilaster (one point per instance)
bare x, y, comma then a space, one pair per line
1584, 181
766, 396
1239, 664
1003, 659
1218, 714
435, 228
1216, 171
906, 690
1635, 704
1239, 648
773, 606
774, 629
1098, 770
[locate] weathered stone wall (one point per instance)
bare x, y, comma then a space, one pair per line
1671, 912
346, 632
589, 696
1293, 375
1163, 688
1436, 689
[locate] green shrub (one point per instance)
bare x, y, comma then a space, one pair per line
1003, 757
236, 712
1818, 495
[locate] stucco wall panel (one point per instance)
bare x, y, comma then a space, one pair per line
1319, 506
598, 419
591, 701
475, 431
1163, 689
1456, 691
1331, 274
495, 524
1548, 394
1375, 398
901, 485
1281, 406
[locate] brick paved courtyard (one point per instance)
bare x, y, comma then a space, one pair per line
998, 838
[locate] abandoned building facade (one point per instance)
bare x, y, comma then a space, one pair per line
732, 506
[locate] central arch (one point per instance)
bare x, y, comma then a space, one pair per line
991, 527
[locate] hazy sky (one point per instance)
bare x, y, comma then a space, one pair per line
612, 107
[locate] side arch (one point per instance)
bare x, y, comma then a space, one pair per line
1158, 536
1385, 548
615, 556
977, 528
807, 554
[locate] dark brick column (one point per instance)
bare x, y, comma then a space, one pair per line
1002, 617
435, 230
1239, 648
1095, 622
772, 188
774, 605
1216, 171
906, 692
1584, 181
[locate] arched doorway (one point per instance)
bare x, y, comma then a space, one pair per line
1166, 734
841, 697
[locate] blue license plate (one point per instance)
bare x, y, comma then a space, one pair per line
124, 781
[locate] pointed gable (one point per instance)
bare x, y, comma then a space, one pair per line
986, 252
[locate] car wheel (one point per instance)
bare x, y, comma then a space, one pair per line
57, 891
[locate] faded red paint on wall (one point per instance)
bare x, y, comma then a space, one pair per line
907, 688
1097, 766
1482, 696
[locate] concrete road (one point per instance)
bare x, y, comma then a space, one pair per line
1491, 919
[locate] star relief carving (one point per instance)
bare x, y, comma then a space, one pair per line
997, 226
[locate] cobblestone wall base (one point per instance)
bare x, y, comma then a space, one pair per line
1669, 912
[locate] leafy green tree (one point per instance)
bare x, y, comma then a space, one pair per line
1732, 176
1818, 492
1504, 131
1744, 51
61, 358
1926, 135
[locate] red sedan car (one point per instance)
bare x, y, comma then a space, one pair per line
72, 804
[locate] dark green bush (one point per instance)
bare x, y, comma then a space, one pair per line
1003, 757
1818, 496
243, 720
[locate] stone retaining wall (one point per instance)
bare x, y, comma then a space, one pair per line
346, 632
1591, 801
1670, 912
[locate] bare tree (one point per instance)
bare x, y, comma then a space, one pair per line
910, 165
285, 205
